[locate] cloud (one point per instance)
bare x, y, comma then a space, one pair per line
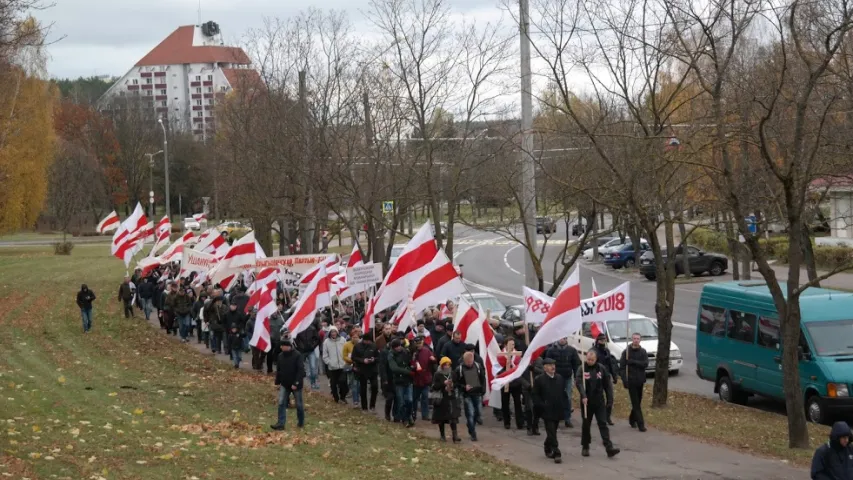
107, 37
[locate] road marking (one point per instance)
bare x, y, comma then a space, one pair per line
506, 260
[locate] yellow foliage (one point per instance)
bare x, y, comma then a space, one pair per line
26, 147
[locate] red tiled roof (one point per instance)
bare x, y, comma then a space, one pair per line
178, 48
238, 77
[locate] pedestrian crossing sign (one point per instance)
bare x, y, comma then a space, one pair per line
387, 206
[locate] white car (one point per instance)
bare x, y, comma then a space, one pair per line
486, 301
396, 251
618, 337
608, 247
191, 224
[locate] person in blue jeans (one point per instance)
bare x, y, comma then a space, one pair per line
470, 379
289, 378
85, 297
400, 365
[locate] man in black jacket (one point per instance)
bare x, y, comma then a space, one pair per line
593, 382
609, 362
834, 459
400, 366
85, 297
235, 330
146, 291
549, 396
288, 378
453, 349
307, 342
125, 296
632, 367
567, 362
365, 356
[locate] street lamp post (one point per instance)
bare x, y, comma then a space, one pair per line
151, 182
166, 161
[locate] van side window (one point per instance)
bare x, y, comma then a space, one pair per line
712, 320
586, 329
742, 326
768, 332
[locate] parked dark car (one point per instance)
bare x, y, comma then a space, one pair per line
578, 229
545, 225
624, 256
699, 262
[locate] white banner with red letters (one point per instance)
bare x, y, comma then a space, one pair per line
612, 305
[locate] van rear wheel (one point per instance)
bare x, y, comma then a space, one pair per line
814, 412
729, 392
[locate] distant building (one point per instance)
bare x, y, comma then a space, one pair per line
182, 78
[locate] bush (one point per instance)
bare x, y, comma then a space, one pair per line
62, 248
709, 240
829, 257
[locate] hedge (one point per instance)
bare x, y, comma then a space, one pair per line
826, 257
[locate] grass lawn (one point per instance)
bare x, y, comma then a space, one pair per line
126, 402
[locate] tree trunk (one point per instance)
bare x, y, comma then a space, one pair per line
263, 233
733, 246
685, 258
808, 255
798, 435
664, 302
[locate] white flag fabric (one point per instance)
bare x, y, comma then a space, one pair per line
407, 270
537, 304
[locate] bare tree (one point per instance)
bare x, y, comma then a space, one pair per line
68, 186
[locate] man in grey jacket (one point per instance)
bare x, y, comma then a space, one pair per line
333, 357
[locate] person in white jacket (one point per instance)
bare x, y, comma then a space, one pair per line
333, 358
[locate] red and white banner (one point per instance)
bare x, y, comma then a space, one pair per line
241, 256
198, 217
329, 262
266, 308
109, 223
563, 319
128, 238
195, 261
368, 322
439, 283
292, 268
468, 321
612, 305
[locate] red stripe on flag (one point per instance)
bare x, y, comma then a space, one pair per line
239, 249
533, 358
466, 321
568, 300
435, 279
412, 261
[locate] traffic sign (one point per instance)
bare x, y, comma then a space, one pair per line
388, 206
751, 224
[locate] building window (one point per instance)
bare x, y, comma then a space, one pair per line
197, 89
148, 92
148, 81
198, 78
209, 89
210, 78
135, 81
136, 92
163, 92
163, 103
198, 101
200, 114
210, 101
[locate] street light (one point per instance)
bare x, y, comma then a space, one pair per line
166, 158
151, 182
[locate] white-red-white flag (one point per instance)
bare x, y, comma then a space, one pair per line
241, 256
266, 308
563, 319
408, 269
594, 289
355, 257
210, 241
129, 236
328, 264
427, 336
490, 353
368, 322
199, 217
439, 283
256, 288
537, 305
316, 296
468, 321
109, 223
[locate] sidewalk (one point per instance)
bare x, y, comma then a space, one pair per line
649, 456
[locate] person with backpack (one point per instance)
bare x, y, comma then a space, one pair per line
470, 379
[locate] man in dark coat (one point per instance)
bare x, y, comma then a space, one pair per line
365, 358
85, 297
125, 296
549, 397
632, 367
146, 291
290, 373
454, 349
386, 380
567, 361
400, 366
609, 362
834, 459
235, 330
214, 315
593, 382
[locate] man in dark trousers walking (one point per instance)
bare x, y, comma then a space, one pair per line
632, 367
593, 382
549, 397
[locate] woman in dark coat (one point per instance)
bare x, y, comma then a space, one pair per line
445, 410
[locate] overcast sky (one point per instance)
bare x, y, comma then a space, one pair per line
107, 37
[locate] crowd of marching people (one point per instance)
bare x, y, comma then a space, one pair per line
426, 373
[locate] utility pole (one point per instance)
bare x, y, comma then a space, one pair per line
166, 157
528, 167
308, 230
151, 183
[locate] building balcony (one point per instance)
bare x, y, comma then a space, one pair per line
148, 87
196, 107
195, 96
208, 83
208, 119
208, 95
162, 109
195, 84
133, 87
145, 74
197, 119
198, 132
159, 85
161, 97
159, 74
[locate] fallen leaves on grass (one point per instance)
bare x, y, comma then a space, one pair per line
242, 434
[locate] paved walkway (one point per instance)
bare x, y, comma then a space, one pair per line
645, 456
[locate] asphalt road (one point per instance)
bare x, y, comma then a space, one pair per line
495, 265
